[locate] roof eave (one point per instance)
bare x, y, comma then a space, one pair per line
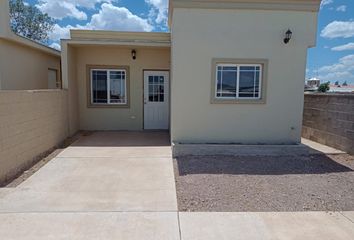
283, 5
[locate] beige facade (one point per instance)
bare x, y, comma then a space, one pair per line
31, 123
203, 32
84, 51
115, 118
24, 64
238, 34
69, 72
25, 68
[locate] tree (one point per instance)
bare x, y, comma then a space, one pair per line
324, 87
345, 83
28, 21
336, 83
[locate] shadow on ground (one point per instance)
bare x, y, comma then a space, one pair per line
123, 139
260, 165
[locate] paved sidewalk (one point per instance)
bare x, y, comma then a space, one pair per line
267, 226
120, 186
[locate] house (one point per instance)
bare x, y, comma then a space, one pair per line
229, 72
312, 84
25, 64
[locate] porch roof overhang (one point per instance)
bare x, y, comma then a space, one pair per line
113, 38
283, 5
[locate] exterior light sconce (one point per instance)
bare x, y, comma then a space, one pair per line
134, 54
288, 35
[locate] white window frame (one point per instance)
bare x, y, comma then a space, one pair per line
238, 81
109, 86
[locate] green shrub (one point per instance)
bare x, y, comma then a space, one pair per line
324, 87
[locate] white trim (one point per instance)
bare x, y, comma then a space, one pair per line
238, 66
161, 44
108, 71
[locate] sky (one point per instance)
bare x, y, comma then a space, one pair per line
331, 60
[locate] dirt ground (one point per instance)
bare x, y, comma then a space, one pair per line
303, 183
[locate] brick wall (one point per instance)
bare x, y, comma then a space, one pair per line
329, 119
31, 123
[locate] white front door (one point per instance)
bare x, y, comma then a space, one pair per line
156, 100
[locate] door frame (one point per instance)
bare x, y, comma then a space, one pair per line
169, 95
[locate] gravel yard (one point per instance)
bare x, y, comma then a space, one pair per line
287, 183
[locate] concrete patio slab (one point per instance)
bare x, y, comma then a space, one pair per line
315, 147
102, 178
120, 144
89, 226
103, 175
26, 200
349, 215
124, 138
265, 226
5, 191
128, 152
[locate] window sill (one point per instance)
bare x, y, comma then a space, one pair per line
90, 105
237, 101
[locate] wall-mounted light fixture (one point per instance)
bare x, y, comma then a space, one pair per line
134, 54
288, 35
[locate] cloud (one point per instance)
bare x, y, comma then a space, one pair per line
338, 29
60, 32
109, 17
55, 46
345, 47
67, 8
341, 8
159, 11
341, 71
337, 76
326, 2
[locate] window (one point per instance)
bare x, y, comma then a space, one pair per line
156, 88
53, 80
238, 81
108, 86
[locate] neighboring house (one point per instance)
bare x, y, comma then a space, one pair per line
224, 75
25, 64
312, 84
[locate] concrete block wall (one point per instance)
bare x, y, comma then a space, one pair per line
329, 119
31, 123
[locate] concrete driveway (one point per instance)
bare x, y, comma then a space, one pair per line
108, 185
121, 186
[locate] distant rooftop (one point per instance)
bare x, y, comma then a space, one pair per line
341, 88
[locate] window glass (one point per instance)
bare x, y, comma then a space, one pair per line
99, 86
117, 87
108, 86
247, 84
227, 81
156, 88
239, 81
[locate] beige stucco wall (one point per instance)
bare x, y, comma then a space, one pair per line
23, 67
69, 68
31, 123
198, 35
23, 63
117, 118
